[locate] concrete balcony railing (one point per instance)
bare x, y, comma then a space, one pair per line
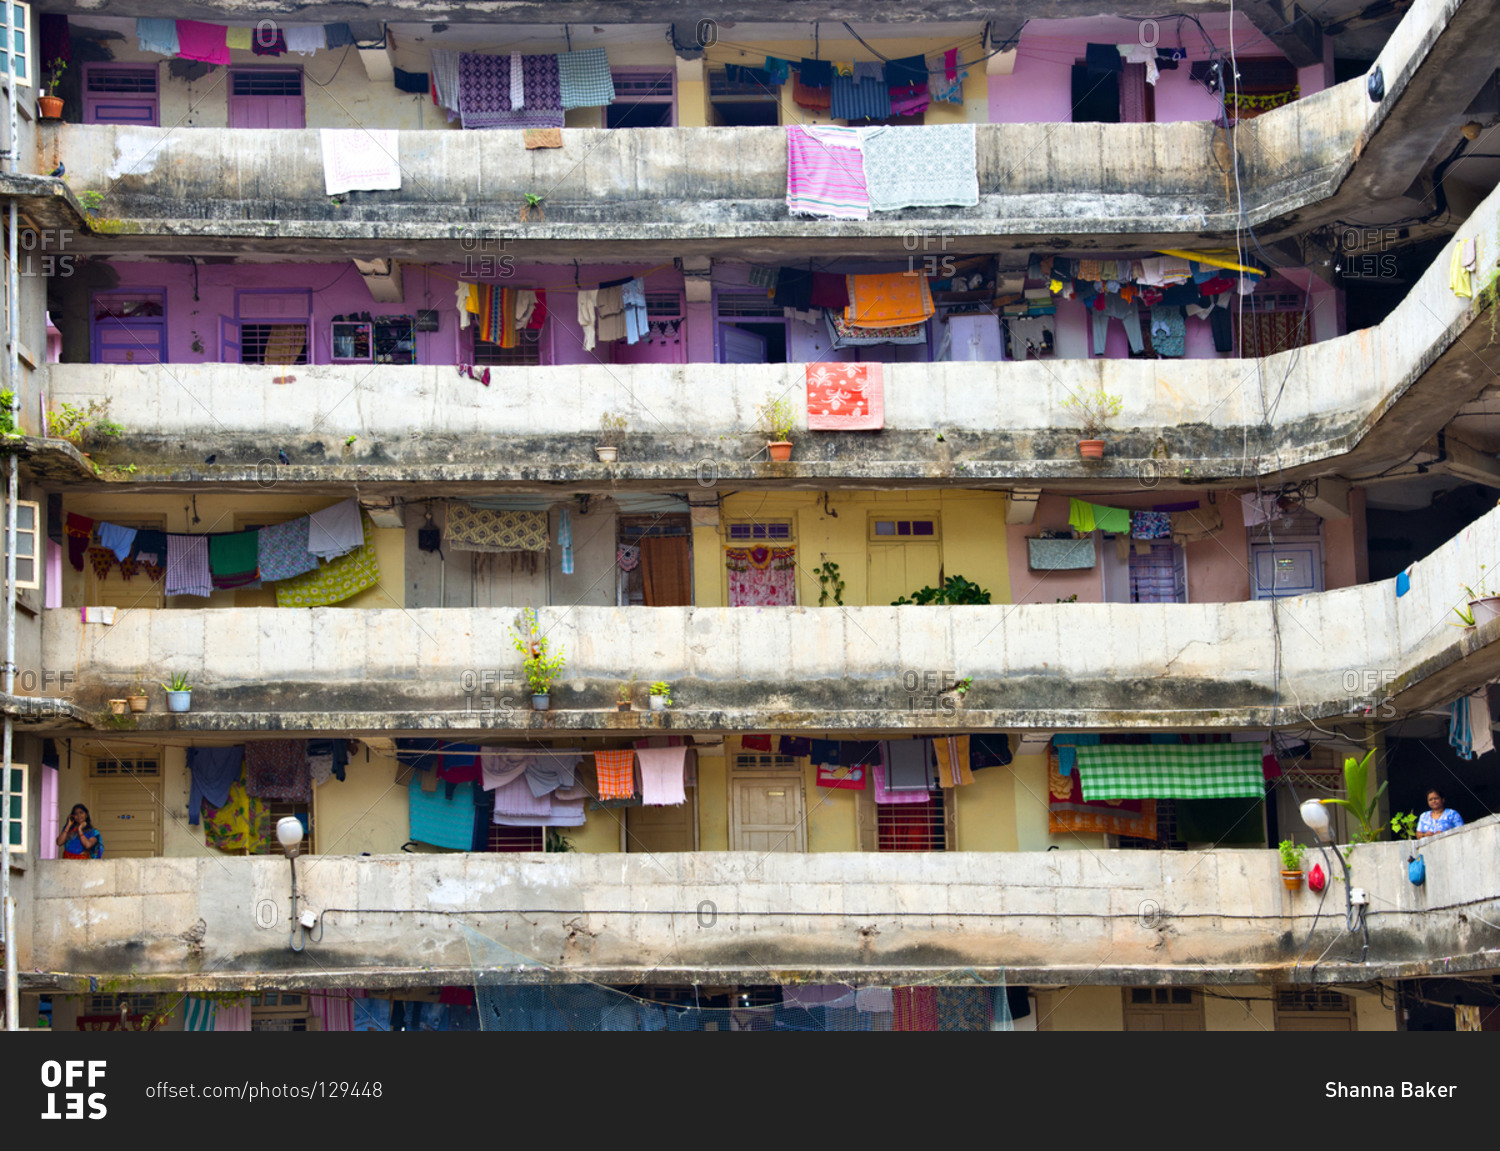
1095, 917
733, 669
1377, 392
710, 189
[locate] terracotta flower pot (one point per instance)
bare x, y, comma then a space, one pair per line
51, 106
1091, 449
118, 706
138, 702
781, 450
1292, 879
623, 705
606, 455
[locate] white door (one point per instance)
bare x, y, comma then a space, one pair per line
767, 813
742, 347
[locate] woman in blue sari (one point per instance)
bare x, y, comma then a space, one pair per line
79, 839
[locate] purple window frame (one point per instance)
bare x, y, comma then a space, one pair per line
90, 103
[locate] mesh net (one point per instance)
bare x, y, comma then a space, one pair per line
958, 1004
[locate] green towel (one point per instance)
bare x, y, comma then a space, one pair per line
1081, 516
1116, 520
233, 553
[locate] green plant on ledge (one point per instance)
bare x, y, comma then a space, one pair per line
1291, 855
8, 429
953, 590
1404, 826
777, 419
540, 666
178, 682
1356, 784
92, 201
662, 690
81, 425
829, 584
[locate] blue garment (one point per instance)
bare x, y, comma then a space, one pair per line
153, 35
1445, 822
1168, 330
214, 771
74, 846
633, 296
1460, 734
1403, 584
441, 821
372, 1014
1067, 749
855, 101
565, 541
780, 70
117, 539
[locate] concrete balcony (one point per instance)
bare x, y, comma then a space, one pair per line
611, 194
1058, 666
1075, 917
1364, 400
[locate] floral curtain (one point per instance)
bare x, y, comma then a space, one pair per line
762, 576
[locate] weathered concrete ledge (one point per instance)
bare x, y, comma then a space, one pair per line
1032, 665
708, 190
1105, 917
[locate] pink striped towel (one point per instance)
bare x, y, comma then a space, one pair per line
825, 172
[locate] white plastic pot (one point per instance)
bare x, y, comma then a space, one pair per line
179, 701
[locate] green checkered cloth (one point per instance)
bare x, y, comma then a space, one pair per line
584, 79
1171, 771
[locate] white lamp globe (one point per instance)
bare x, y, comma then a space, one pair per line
1315, 815
289, 833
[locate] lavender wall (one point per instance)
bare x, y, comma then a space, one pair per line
1039, 91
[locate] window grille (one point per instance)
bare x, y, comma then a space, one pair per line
643, 85
266, 83
279, 344
663, 305
279, 809
526, 353
122, 81
751, 762
1310, 999
514, 839
911, 826
118, 768
903, 529
749, 532
748, 304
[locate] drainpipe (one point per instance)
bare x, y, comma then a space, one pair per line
13, 372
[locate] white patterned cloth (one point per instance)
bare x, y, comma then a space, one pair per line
921, 167
304, 39
517, 83
360, 160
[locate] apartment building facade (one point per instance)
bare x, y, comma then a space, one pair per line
967, 728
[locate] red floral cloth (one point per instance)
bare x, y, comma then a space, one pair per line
762, 576
845, 397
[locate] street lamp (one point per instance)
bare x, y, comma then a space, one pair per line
1315, 815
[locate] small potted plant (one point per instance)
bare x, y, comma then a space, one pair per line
661, 695
777, 419
179, 692
118, 706
138, 698
540, 666
52, 104
611, 433
1094, 410
1484, 605
1291, 864
622, 700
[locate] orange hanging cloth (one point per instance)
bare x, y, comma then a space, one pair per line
889, 300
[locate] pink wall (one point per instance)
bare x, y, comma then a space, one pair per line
1040, 90
1218, 568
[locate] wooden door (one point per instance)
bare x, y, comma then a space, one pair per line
897, 570
767, 813
663, 829
1163, 1009
127, 812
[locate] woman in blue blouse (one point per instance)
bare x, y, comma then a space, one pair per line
1437, 817
79, 840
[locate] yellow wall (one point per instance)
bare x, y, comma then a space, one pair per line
1238, 1009
222, 512
972, 528
713, 799
986, 814
1081, 1009
1371, 1016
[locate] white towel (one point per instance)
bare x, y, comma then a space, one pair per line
1480, 734
334, 531
517, 87
304, 39
360, 160
662, 774
588, 307
500, 766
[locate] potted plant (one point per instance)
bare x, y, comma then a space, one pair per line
179, 692
622, 701
1484, 605
611, 433
138, 698
118, 706
1094, 410
540, 666
52, 104
661, 695
1291, 864
777, 419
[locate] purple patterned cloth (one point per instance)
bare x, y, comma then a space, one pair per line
484, 92
483, 89
277, 769
187, 566
283, 550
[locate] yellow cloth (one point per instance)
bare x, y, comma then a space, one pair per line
336, 580
1460, 279
889, 300
237, 39
542, 137
1212, 259
953, 760
843, 67
1081, 515
471, 305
